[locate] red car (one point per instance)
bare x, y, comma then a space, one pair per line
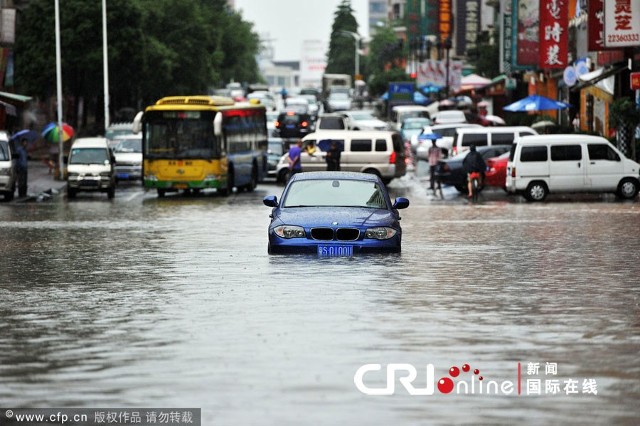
497, 171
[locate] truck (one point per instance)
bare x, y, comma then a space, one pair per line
334, 83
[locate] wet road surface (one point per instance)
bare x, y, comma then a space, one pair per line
154, 302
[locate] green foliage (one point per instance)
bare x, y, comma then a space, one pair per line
156, 48
379, 82
341, 57
486, 56
384, 55
623, 112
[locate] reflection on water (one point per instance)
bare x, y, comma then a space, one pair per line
175, 302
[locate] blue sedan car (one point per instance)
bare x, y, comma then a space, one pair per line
335, 214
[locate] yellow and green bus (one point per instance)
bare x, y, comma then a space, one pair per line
192, 143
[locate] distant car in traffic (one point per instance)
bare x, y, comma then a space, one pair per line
338, 101
334, 214
451, 171
364, 120
413, 126
128, 154
265, 99
447, 133
274, 152
293, 124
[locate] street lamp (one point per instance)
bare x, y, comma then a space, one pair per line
357, 39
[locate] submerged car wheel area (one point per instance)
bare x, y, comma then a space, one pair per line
334, 214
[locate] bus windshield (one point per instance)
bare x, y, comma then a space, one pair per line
183, 135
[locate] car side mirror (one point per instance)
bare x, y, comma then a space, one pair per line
270, 201
400, 203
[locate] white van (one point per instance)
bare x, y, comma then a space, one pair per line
7, 168
91, 167
539, 165
400, 112
487, 136
373, 151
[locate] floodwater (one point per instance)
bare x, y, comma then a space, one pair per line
146, 302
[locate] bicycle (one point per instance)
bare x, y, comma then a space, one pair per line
475, 185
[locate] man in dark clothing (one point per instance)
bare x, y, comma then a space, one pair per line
21, 167
474, 162
333, 157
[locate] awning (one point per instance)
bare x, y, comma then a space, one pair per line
15, 97
596, 78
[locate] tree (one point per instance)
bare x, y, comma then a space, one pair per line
486, 55
156, 48
341, 55
386, 53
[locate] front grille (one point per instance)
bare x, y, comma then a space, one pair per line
341, 234
347, 234
325, 234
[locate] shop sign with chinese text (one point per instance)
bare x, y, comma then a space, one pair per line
621, 23
554, 37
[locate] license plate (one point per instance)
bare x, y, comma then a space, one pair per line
123, 175
335, 251
89, 183
291, 126
181, 186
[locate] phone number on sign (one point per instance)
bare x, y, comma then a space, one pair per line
617, 38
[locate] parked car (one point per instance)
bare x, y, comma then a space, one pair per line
451, 171
539, 165
7, 168
293, 124
401, 112
275, 151
334, 214
365, 120
496, 174
91, 167
128, 155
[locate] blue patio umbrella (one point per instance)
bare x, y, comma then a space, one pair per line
535, 103
429, 136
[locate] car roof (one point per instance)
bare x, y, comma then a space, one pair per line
560, 138
498, 129
367, 177
96, 142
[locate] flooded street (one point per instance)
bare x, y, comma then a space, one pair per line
174, 302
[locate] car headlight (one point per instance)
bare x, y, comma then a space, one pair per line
73, 175
289, 231
381, 233
153, 178
5, 172
105, 174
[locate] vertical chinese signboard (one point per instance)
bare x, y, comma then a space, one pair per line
467, 25
526, 16
444, 20
621, 23
506, 38
554, 37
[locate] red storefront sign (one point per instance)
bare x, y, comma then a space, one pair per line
595, 22
554, 35
635, 81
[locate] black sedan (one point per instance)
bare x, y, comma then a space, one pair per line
451, 172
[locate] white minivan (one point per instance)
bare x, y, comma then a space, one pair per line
369, 151
539, 165
7, 168
91, 167
487, 136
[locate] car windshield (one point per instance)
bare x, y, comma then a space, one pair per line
4, 151
276, 148
335, 193
88, 156
129, 145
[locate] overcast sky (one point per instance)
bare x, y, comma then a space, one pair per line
289, 22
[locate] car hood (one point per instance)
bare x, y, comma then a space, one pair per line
334, 217
128, 156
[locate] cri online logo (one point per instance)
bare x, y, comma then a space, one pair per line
406, 374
